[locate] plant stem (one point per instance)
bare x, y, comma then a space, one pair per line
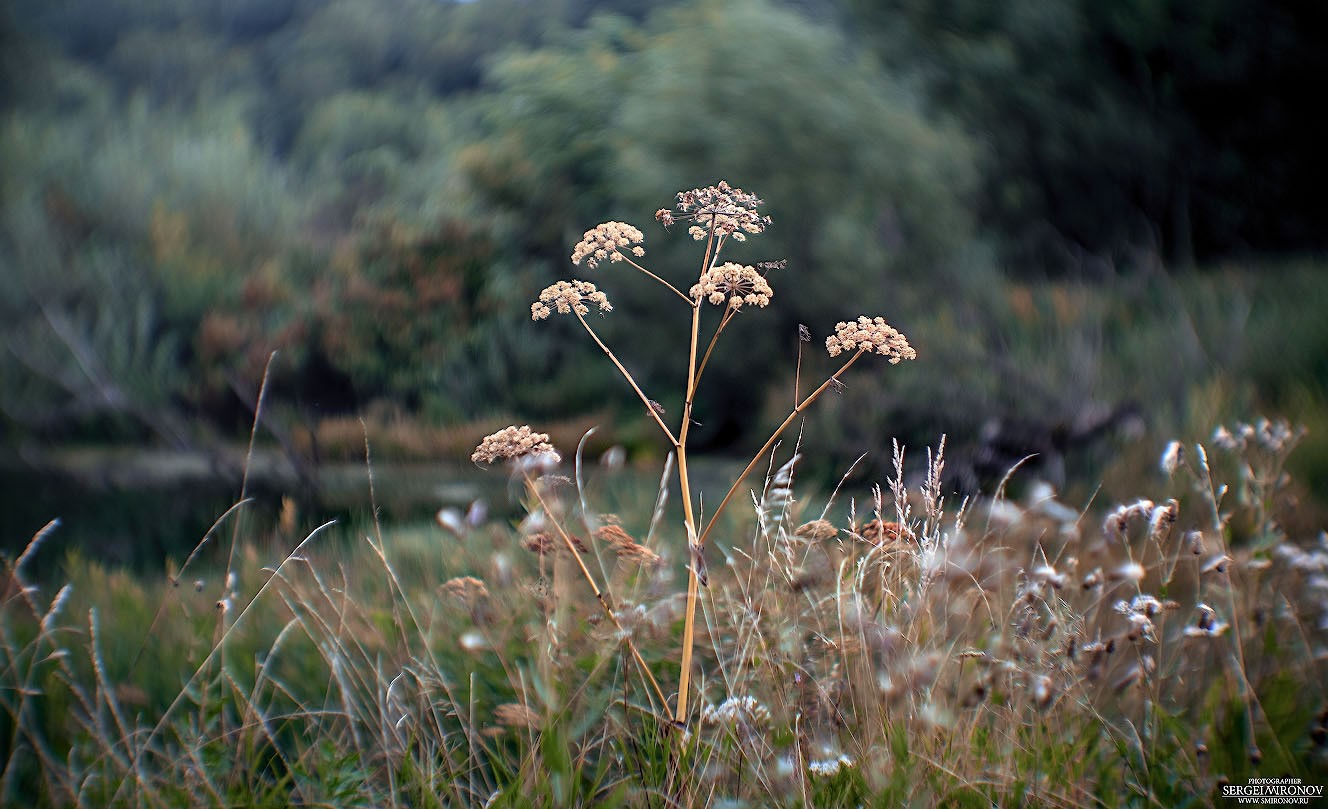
650, 408
684, 485
671, 287
599, 595
729, 314
770, 442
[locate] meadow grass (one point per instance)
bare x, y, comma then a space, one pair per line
887, 648
611, 646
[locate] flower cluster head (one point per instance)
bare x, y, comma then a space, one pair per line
626, 546
466, 588
511, 443
734, 285
872, 335
567, 297
731, 210
1273, 436
608, 241
736, 710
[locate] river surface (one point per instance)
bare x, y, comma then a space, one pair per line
139, 507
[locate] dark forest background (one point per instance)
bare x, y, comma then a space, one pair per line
1097, 222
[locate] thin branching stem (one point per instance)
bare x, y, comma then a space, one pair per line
671, 287
599, 594
684, 484
770, 442
729, 314
650, 408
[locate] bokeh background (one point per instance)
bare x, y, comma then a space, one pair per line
1102, 226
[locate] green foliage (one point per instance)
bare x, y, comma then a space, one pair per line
1169, 127
599, 124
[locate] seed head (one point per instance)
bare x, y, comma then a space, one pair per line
731, 210
871, 335
736, 710
510, 443
516, 715
817, 531
466, 588
626, 546
567, 297
1172, 458
542, 542
734, 285
608, 241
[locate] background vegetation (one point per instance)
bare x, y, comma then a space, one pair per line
1100, 225
377, 191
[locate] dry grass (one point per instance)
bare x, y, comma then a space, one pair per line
894, 649
889, 648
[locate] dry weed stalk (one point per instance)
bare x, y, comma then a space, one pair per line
718, 214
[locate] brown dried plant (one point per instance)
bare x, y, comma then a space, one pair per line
717, 215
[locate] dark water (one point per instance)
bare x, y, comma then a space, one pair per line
142, 524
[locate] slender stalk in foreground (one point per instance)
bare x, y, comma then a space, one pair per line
698, 542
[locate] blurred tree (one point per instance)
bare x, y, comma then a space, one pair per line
1172, 127
862, 187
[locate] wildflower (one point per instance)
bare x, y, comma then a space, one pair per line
514, 442
626, 546
1042, 692
885, 534
1207, 626
827, 768
1146, 604
466, 588
1130, 571
735, 710
735, 284
727, 210
542, 542
608, 241
870, 335
1046, 574
1161, 521
472, 641
450, 520
1226, 440
567, 297
1172, 457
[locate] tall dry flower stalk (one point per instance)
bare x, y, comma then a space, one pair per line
717, 215
528, 451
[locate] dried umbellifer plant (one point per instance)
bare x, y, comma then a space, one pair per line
718, 215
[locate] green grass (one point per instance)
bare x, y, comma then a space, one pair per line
345, 674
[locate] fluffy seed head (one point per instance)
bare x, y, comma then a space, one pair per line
466, 588
516, 715
609, 240
872, 335
732, 211
626, 546
569, 296
1172, 457
510, 443
736, 710
734, 285
817, 531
